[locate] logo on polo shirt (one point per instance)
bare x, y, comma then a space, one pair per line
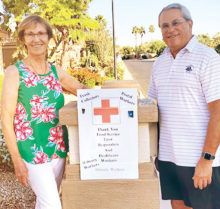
189, 68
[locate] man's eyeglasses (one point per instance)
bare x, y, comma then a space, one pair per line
31, 36
174, 23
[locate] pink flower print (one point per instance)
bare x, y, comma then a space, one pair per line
16, 121
54, 156
49, 80
23, 130
31, 80
57, 138
36, 112
20, 113
40, 158
25, 68
56, 133
47, 114
57, 86
20, 109
36, 101
52, 83
61, 145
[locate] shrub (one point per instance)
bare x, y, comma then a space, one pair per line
156, 47
126, 57
159, 51
144, 56
86, 76
109, 71
217, 48
126, 50
88, 61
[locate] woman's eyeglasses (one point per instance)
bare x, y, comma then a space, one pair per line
31, 36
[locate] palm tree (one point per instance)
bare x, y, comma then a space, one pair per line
135, 31
151, 29
141, 32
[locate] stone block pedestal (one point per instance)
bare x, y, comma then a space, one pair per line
142, 193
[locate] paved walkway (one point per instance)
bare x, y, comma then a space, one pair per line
140, 70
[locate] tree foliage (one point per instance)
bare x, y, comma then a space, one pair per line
217, 48
68, 18
216, 42
213, 42
99, 42
126, 50
135, 31
156, 47
141, 32
205, 39
99, 51
151, 29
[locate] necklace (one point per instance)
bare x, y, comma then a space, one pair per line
37, 72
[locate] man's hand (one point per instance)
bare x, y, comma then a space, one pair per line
21, 172
203, 174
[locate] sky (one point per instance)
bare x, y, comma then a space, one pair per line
128, 13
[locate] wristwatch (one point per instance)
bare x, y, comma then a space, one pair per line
208, 156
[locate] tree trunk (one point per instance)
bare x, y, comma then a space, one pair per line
136, 41
55, 48
63, 53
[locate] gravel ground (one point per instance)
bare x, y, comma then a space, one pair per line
12, 193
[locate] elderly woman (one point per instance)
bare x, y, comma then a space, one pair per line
31, 98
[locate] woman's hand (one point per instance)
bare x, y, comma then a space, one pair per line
21, 171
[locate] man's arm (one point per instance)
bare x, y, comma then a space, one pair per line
203, 170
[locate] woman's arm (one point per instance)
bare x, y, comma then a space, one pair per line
68, 83
9, 103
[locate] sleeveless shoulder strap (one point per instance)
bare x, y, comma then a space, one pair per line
53, 68
17, 64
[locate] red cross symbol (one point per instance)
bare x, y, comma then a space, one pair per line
106, 111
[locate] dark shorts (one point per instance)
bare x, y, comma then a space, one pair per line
177, 184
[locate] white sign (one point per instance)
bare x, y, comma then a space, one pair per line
108, 133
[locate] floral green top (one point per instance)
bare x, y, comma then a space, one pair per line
39, 136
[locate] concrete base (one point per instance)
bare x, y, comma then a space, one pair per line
142, 193
112, 194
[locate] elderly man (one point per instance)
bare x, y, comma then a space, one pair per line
186, 83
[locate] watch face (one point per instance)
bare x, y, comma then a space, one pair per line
207, 156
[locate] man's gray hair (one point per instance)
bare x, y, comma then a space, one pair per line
184, 11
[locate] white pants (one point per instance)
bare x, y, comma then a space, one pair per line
45, 180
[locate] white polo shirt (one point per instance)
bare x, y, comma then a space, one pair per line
183, 86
